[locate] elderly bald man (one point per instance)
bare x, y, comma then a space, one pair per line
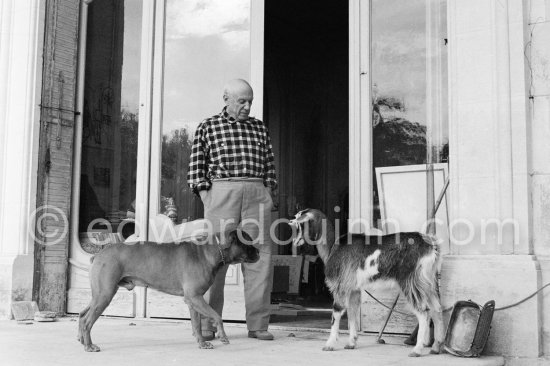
232, 169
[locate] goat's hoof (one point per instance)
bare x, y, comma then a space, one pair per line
328, 348
205, 345
224, 340
434, 352
349, 346
92, 348
414, 354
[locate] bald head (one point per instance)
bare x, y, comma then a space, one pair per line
236, 86
238, 96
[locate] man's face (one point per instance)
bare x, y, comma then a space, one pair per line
238, 103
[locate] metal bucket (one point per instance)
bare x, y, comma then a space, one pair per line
469, 328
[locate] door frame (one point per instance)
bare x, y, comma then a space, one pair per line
78, 258
150, 159
360, 118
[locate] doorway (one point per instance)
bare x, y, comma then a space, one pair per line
306, 107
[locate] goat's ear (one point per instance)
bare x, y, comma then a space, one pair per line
316, 227
302, 216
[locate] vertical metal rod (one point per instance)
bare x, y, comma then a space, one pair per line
380, 340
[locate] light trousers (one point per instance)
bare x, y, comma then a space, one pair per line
247, 203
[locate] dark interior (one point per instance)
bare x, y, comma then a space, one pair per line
306, 108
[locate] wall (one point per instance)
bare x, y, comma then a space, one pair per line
21, 24
491, 171
55, 155
537, 53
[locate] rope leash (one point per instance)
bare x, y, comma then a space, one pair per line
450, 307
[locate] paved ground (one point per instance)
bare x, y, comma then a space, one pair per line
158, 343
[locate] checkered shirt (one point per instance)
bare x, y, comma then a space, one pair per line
227, 148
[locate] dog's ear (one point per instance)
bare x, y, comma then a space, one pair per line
245, 237
231, 237
238, 236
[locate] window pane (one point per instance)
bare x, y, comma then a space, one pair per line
409, 89
207, 43
110, 117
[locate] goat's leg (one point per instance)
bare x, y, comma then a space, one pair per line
423, 327
337, 312
439, 327
353, 319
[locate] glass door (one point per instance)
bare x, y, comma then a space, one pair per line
110, 139
403, 129
198, 48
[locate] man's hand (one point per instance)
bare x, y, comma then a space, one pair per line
274, 197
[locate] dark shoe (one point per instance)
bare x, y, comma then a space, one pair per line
411, 341
262, 335
208, 335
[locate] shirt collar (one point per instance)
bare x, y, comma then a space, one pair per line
229, 118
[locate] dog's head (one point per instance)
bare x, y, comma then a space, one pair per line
309, 226
237, 248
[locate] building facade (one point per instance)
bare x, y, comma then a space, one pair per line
98, 100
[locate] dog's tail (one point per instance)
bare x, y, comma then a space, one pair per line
422, 283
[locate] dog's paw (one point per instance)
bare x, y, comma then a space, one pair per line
328, 348
206, 345
414, 354
92, 348
224, 340
349, 346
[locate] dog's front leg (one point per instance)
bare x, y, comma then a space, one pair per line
197, 303
196, 325
337, 312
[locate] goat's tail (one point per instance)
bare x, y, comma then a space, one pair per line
421, 285
434, 241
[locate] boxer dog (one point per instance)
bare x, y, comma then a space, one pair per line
183, 269
355, 262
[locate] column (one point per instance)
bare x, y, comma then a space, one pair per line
20, 41
489, 190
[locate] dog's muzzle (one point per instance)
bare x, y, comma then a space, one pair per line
252, 255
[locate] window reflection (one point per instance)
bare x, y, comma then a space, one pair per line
409, 87
110, 121
207, 42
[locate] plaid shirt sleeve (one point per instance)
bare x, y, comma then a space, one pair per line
270, 174
196, 175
